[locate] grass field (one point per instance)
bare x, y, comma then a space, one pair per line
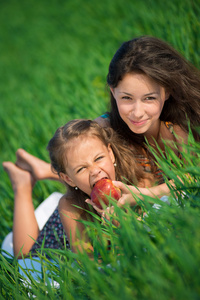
54, 57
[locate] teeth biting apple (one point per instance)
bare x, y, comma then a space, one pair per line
102, 189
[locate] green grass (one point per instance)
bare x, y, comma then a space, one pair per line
54, 57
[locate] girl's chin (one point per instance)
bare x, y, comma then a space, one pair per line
137, 130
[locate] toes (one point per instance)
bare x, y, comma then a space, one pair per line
20, 152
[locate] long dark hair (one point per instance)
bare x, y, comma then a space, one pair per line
159, 61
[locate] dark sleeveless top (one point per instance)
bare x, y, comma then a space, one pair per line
52, 235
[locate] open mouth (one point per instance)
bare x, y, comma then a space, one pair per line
99, 180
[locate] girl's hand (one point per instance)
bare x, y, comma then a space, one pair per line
99, 210
127, 197
104, 213
128, 192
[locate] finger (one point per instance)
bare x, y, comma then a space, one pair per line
89, 201
126, 199
121, 201
99, 210
121, 186
118, 184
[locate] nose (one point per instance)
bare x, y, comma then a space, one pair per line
138, 109
95, 171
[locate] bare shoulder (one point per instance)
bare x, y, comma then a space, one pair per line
63, 203
103, 122
66, 205
181, 135
173, 132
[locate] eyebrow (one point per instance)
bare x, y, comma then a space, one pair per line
82, 164
125, 93
149, 94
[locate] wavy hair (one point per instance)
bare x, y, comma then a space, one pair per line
168, 68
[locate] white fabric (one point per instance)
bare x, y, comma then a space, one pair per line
46, 208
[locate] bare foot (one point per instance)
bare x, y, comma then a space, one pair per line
38, 168
19, 178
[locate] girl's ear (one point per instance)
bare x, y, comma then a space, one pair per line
111, 153
167, 94
112, 90
67, 179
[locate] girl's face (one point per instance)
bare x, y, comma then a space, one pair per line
140, 101
88, 160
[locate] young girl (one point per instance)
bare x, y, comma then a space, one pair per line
81, 153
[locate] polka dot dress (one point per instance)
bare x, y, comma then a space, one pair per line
52, 235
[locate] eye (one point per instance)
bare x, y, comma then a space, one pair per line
80, 169
99, 158
126, 98
150, 98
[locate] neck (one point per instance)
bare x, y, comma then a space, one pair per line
153, 137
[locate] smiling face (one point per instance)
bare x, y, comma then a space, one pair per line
140, 101
88, 160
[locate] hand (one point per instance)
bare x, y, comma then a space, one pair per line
128, 192
104, 213
99, 210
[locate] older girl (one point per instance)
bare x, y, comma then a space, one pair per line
154, 93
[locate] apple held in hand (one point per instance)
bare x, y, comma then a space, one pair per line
102, 189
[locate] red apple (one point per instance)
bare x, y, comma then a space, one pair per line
102, 189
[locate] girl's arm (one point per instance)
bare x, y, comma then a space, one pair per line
129, 190
75, 230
